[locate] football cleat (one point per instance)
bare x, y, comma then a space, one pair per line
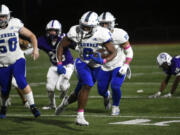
80, 120
115, 110
62, 106
156, 95
49, 107
35, 111
169, 95
3, 112
107, 103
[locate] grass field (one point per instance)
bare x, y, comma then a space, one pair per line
155, 116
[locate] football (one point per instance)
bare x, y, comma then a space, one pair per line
104, 53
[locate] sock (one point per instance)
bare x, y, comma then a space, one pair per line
52, 99
29, 97
80, 113
4, 101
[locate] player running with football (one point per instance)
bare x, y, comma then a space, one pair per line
115, 70
89, 37
12, 60
170, 66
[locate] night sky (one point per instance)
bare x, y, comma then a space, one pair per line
144, 20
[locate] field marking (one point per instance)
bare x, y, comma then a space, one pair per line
95, 97
97, 115
125, 83
145, 122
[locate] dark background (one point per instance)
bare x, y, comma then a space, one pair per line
145, 20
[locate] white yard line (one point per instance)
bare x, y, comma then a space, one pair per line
92, 97
125, 83
97, 115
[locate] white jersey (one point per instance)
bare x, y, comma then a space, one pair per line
119, 37
10, 50
91, 44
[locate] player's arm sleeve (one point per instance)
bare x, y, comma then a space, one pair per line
128, 52
125, 44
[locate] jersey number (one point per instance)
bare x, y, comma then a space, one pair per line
87, 52
12, 44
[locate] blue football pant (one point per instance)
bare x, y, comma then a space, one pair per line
113, 78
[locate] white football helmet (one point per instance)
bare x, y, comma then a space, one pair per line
4, 12
164, 57
53, 25
107, 17
88, 23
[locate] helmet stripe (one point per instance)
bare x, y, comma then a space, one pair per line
87, 17
104, 16
52, 23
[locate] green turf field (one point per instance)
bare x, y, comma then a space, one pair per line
139, 115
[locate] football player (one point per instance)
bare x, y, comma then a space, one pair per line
48, 44
170, 66
115, 70
89, 37
12, 60
25, 46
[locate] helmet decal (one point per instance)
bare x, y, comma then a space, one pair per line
87, 17
163, 56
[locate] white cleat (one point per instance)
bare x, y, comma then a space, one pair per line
62, 106
80, 120
169, 95
107, 102
49, 107
115, 110
156, 95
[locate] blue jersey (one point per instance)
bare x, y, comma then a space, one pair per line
46, 45
175, 66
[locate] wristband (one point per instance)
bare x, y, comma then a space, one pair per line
104, 61
59, 63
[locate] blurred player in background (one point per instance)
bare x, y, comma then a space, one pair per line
48, 44
89, 37
12, 60
115, 70
26, 47
170, 66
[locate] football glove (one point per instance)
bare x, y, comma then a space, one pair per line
169, 95
61, 69
156, 95
123, 69
97, 59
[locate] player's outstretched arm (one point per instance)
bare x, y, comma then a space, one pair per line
162, 87
175, 84
27, 33
129, 56
65, 42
